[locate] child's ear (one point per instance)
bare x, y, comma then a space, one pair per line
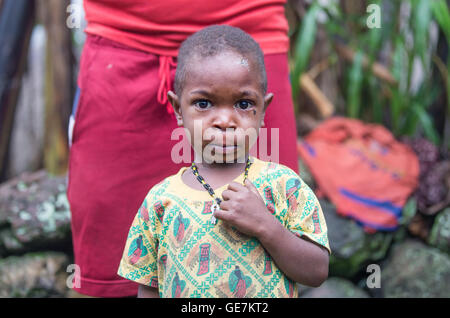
267, 100
176, 105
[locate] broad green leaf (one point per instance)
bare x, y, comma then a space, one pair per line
303, 46
354, 86
426, 123
442, 15
420, 25
399, 92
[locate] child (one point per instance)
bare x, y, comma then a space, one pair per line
231, 225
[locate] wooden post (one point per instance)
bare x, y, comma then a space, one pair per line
16, 23
377, 69
323, 104
58, 84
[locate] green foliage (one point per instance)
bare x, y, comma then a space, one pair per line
441, 13
404, 34
442, 16
304, 44
354, 86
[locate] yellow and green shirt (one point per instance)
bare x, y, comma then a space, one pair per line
173, 246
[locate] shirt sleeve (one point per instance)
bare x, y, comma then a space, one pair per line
139, 259
304, 213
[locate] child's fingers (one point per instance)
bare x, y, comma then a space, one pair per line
225, 205
223, 215
227, 194
251, 186
234, 186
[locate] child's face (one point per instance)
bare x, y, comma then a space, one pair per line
222, 97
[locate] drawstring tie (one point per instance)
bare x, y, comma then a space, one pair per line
165, 63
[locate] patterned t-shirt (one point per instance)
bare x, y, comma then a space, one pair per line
173, 246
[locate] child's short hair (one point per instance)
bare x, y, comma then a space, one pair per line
213, 40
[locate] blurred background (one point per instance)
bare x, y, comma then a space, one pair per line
379, 69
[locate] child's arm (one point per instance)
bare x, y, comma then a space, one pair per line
300, 259
147, 292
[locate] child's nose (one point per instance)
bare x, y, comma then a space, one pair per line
225, 119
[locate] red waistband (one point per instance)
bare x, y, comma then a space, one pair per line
166, 64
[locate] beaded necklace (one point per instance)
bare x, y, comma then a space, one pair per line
210, 190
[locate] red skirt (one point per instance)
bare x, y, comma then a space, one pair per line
121, 146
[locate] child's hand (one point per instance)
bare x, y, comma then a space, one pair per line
301, 260
244, 208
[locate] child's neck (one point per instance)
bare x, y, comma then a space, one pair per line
215, 174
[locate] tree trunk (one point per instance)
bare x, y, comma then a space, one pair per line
58, 84
16, 23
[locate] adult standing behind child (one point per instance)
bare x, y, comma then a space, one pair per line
121, 139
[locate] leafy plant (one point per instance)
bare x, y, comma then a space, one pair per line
392, 96
304, 44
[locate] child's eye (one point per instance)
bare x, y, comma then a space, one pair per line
244, 104
202, 104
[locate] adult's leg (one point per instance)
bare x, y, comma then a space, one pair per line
120, 148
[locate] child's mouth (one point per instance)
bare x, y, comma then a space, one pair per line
223, 149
